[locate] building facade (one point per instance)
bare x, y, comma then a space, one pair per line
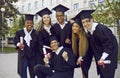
75, 6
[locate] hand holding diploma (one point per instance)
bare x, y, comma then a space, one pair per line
46, 55
79, 60
103, 62
45, 52
21, 46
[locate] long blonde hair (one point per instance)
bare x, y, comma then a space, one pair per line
83, 43
41, 24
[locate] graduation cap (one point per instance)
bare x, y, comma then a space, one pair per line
86, 14
44, 11
29, 17
60, 8
52, 38
77, 20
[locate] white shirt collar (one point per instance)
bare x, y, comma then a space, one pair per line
47, 28
93, 28
27, 37
58, 50
25, 30
63, 25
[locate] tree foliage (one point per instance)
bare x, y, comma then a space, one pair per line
17, 24
10, 12
107, 12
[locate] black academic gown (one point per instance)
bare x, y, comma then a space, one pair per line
43, 39
103, 40
87, 60
28, 52
61, 68
62, 34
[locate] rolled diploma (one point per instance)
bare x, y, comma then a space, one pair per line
107, 61
44, 51
21, 39
46, 47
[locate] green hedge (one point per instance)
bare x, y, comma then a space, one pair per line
8, 50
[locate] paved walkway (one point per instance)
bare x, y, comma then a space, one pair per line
8, 68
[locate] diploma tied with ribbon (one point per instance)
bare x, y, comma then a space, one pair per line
105, 62
44, 50
21, 41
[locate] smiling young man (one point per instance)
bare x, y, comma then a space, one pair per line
103, 45
62, 29
25, 42
60, 63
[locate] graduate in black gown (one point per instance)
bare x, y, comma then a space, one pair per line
62, 29
43, 34
103, 44
80, 46
58, 64
25, 42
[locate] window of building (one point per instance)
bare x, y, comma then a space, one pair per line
51, 2
91, 0
29, 5
36, 17
36, 4
23, 8
100, 1
91, 3
76, 6
59, 0
43, 2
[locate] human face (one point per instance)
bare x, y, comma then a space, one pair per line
46, 19
60, 17
54, 45
29, 25
75, 28
87, 23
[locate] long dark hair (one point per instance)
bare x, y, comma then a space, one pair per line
83, 43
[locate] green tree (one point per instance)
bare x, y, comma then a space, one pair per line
10, 12
17, 24
109, 13
21, 21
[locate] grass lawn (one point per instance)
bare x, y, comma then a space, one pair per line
8, 50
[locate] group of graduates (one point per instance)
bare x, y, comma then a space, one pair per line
72, 44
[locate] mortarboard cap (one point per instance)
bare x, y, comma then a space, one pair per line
60, 8
29, 17
77, 20
44, 11
86, 14
52, 38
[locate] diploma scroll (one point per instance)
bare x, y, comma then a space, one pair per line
45, 52
107, 61
21, 40
46, 46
